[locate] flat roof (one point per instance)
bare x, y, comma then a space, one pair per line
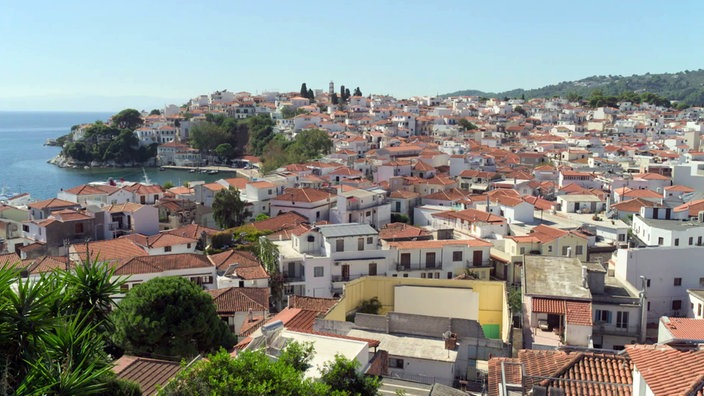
559, 277
410, 346
672, 225
326, 348
347, 229
579, 198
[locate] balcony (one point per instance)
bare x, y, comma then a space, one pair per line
483, 263
290, 278
611, 329
347, 278
418, 267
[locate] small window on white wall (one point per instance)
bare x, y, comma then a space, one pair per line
318, 271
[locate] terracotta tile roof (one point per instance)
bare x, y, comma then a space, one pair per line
679, 188
288, 220
693, 207
148, 373
236, 182
404, 194
161, 263
240, 264
546, 233
684, 329
641, 193
577, 373
45, 264
303, 195
439, 243
578, 313
109, 250
394, 231
240, 299
191, 231
550, 306
144, 189
634, 205
666, 370
88, 189
159, 240
317, 304
52, 203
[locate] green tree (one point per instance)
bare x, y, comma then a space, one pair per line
155, 112
357, 92
334, 99
310, 95
268, 254
224, 151
466, 124
261, 131
371, 306
515, 300
205, 136
169, 184
250, 373
128, 119
304, 90
297, 355
343, 376
520, 110
229, 210
169, 317
261, 217
52, 331
288, 112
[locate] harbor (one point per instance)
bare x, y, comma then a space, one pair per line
214, 170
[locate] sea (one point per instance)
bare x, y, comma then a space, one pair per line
24, 156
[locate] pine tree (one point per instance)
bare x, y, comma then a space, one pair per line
342, 93
347, 93
334, 98
357, 92
304, 90
310, 95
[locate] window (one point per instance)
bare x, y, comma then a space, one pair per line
395, 363
622, 320
167, 248
699, 309
523, 250
648, 305
437, 275
701, 281
621, 237
188, 245
677, 241
647, 283
549, 249
578, 250
79, 228
691, 240
678, 281
124, 287
676, 305
699, 240
422, 275
370, 240
602, 316
457, 256
318, 272
660, 241
340, 245
565, 249
449, 275
311, 238
360, 243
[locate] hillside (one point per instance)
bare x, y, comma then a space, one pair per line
686, 86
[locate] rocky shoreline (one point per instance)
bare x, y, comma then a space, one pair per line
67, 162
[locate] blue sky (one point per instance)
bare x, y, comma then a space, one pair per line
89, 55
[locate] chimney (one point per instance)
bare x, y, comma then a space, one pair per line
250, 315
585, 277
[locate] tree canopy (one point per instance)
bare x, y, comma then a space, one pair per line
308, 144
102, 142
53, 332
130, 119
253, 373
466, 124
169, 317
229, 209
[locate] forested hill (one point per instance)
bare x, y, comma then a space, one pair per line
686, 86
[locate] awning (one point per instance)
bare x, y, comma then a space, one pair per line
544, 305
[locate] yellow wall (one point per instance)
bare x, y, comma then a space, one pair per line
493, 307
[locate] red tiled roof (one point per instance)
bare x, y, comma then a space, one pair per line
666, 370
303, 195
317, 304
578, 313
545, 305
191, 231
148, 373
51, 203
240, 299
684, 329
439, 243
161, 263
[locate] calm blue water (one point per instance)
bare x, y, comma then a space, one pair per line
23, 156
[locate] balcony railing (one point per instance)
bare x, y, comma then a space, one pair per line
343, 278
416, 267
288, 278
